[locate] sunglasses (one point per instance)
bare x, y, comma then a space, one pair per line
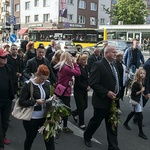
3, 57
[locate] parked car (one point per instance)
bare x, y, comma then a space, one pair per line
68, 46
119, 44
18, 42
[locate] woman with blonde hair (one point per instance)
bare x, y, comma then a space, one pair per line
53, 63
137, 95
67, 69
81, 88
30, 51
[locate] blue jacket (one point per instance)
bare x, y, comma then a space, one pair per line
127, 58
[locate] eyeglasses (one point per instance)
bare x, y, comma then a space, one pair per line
3, 57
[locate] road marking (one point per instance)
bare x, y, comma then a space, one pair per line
78, 132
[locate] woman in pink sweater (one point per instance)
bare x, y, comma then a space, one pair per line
67, 69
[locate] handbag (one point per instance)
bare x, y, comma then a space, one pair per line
60, 89
133, 102
23, 113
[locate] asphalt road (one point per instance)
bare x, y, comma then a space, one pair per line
128, 140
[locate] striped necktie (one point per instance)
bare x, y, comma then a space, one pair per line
116, 78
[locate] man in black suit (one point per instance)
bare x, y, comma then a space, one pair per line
63, 9
104, 82
94, 57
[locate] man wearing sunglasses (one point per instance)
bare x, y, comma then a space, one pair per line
7, 78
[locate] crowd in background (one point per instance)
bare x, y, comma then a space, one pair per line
46, 68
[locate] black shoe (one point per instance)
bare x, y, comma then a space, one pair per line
75, 118
126, 126
67, 130
88, 143
142, 135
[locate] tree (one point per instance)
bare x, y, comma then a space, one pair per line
128, 11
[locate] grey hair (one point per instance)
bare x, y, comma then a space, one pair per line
108, 48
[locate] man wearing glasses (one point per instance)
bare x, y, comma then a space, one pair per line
63, 9
7, 78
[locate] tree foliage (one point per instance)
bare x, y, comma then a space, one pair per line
128, 11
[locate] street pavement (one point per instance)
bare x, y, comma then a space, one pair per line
128, 140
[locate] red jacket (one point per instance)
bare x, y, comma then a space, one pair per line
65, 77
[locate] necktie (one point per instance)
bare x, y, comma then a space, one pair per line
116, 78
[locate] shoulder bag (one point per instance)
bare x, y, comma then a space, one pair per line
60, 90
133, 102
23, 113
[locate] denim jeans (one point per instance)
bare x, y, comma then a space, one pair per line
5, 109
133, 68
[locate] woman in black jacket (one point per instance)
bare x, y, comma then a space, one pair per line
137, 95
81, 88
41, 92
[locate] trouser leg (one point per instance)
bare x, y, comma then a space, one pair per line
129, 117
31, 127
94, 123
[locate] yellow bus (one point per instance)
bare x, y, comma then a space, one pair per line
82, 37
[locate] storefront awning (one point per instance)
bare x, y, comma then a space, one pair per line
23, 31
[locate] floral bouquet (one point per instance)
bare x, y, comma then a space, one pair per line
114, 117
55, 111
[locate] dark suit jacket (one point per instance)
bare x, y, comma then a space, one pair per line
147, 79
101, 81
64, 13
91, 60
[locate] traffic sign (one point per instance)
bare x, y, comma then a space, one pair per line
67, 25
13, 38
12, 19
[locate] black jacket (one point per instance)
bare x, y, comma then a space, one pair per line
101, 81
24, 99
12, 80
31, 67
135, 88
92, 58
81, 82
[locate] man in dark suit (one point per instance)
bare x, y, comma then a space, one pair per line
63, 9
104, 82
94, 57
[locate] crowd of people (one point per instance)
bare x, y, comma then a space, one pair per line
105, 72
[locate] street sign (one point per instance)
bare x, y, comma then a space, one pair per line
67, 25
12, 19
13, 38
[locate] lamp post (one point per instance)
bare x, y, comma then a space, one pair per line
11, 14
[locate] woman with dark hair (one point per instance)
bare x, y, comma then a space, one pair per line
41, 91
30, 50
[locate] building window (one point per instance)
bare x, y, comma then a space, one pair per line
81, 19
36, 17
92, 21
70, 2
82, 4
93, 6
36, 3
102, 7
27, 19
46, 17
70, 17
17, 20
17, 7
46, 3
102, 20
27, 5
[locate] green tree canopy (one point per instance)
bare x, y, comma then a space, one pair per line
128, 11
